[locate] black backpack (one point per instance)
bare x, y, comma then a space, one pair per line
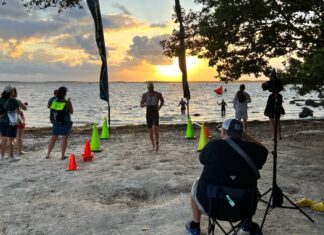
58, 115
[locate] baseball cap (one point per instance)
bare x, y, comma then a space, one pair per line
232, 126
150, 84
7, 89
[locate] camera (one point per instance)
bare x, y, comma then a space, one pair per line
274, 84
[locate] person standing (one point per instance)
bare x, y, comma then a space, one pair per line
61, 110
183, 106
274, 114
223, 106
153, 101
8, 122
240, 103
22, 124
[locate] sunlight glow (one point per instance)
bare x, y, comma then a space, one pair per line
171, 72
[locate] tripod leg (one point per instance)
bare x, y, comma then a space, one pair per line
297, 207
266, 212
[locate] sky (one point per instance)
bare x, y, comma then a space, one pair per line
41, 46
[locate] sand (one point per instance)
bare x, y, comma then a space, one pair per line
128, 189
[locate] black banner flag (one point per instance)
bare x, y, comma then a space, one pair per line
94, 8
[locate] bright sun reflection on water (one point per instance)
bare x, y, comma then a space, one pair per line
171, 72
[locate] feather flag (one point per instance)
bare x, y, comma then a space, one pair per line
182, 52
94, 8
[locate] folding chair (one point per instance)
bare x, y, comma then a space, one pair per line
235, 205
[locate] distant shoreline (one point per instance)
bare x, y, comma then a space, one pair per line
65, 82
85, 129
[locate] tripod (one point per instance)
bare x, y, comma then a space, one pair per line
276, 194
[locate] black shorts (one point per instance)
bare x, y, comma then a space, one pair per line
152, 121
8, 130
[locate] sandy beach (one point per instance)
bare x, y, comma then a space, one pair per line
129, 189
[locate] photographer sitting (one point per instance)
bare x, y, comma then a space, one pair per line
225, 167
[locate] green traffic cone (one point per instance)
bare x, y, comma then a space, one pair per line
95, 144
105, 131
202, 139
190, 131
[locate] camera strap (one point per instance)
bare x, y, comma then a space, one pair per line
244, 156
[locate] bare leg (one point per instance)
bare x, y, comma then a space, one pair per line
279, 129
20, 133
196, 214
156, 135
3, 145
272, 126
63, 146
10, 146
244, 124
151, 137
51, 146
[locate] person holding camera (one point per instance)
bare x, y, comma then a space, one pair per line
225, 167
60, 116
241, 99
274, 110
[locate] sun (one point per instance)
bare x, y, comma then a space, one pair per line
172, 72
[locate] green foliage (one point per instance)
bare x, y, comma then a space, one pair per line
309, 73
44, 4
240, 36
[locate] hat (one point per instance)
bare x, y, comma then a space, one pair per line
7, 89
232, 126
150, 85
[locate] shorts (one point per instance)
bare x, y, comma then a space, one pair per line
8, 130
241, 114
63, 129
194, 197
21, 126
152, 121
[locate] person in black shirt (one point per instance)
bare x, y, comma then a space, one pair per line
223, 105
220, 160
183, 106
272, 113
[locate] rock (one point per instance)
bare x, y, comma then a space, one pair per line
306, 112
292, 102
309, 102
298, 104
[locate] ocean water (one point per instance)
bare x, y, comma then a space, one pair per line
125, 100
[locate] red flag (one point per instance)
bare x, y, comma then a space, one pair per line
219, 90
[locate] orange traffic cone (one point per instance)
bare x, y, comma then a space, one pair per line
72, 163
207, 132
87, 155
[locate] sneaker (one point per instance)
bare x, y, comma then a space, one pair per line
14, 159
192, 231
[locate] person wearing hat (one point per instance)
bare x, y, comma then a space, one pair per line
153, 101
220, 160
9, 107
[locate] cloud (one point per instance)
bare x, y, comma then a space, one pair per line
122, 8
148, 49
13, 10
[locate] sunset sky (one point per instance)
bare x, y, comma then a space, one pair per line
46, 46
